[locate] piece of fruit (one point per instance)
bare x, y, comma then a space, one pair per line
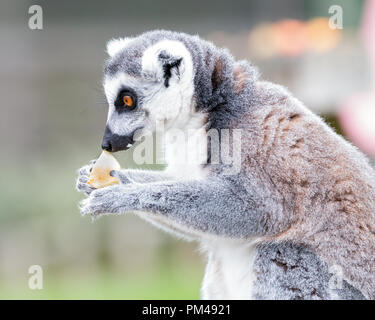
100, 174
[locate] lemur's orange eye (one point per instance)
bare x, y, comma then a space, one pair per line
128, 101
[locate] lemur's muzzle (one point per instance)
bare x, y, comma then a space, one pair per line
114, 142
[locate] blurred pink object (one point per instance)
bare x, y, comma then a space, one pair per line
357, 113
357, 118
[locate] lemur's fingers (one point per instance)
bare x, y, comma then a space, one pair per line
83, 186
84, 171
92, 162
83, 177
121, 176
86, 207
102, 201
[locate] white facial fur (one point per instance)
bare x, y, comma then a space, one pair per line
171, 105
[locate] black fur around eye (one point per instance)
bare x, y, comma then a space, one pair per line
126, 100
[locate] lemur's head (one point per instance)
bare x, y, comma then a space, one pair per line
166, 78
149, 80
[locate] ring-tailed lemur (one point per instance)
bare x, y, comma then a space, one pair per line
296, 222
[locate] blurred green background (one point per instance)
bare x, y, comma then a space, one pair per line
53, 113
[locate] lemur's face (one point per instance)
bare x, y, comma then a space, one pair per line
146, 86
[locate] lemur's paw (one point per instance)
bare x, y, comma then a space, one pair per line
122, 176
83, 177
102, 201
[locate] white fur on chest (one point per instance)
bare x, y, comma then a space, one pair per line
186, 149
229, 272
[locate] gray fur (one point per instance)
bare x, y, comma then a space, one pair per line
291, 271
202, 205
301, 186
140, 176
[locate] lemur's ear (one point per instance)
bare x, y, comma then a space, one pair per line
167, 61
116, 45
170, 64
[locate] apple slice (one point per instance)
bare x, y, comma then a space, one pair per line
99, 176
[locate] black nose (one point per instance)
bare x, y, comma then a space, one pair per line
113, 142
107, 142
106, 145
